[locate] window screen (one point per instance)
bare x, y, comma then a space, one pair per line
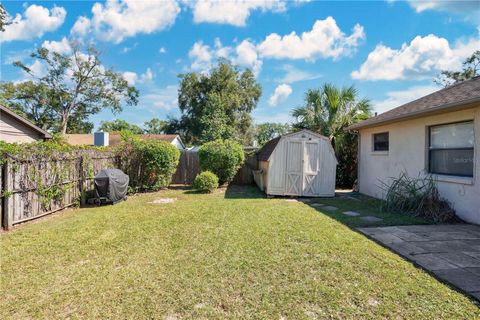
451, 149
380, 141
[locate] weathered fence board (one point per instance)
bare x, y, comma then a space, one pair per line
189, 167
22, 181
25, 184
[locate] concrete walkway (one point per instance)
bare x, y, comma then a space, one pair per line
451, 252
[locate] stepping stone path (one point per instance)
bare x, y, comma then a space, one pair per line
351, 213
330, 208
164, 200
371, 219
317, 204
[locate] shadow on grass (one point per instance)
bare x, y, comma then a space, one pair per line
243, 192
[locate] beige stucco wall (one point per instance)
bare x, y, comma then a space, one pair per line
12, 130
408, 143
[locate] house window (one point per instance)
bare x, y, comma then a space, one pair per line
380, 141
451, 149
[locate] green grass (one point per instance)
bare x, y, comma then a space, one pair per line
234, 255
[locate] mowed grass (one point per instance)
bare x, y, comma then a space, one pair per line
211, 256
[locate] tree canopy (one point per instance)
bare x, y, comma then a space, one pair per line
118, 125
217, 105
265, 132
470, 69
75, 86
155, 126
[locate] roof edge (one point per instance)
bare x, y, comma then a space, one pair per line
27, 122
465, 104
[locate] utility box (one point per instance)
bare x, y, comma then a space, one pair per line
100, 139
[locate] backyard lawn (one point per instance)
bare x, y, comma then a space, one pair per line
231, 254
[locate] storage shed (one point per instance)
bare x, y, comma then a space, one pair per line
298, 164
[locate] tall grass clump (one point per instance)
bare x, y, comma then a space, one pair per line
417, 196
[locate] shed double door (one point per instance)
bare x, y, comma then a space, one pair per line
302, 167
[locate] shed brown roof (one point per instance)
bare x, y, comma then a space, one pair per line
461, 94
265, 152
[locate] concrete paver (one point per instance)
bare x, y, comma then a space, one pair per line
450, 251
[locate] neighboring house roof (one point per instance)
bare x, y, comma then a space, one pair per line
115, 138
267, 149
460, 95
44, 134
79, 139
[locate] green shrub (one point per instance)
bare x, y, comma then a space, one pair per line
222, 157
150, 164
206, 181
417, 196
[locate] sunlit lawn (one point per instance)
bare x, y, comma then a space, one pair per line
222, 255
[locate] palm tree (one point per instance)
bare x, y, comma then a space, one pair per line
329, 111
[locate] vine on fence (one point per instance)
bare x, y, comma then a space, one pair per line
50, 166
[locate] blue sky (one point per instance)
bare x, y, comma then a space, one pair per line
390, 50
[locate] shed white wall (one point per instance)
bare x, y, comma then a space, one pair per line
408, 144
12, 131
177, 143
275, 177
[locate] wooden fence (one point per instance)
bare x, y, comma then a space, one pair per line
189, 167
28, 186
32, 188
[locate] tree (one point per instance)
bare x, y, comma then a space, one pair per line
31, 101
267, 131
329, 111
4, 18
470, 69
155, 126
118, 125
217, 105
79, 85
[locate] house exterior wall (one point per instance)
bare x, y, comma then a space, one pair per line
408, 146
13, 131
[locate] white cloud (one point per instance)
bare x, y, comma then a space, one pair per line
147, 76
201, 55
62, 46
116, 20
293, 74
280, 94
244, 54
233, 12
325, 40
161, 98
397, 98
420, 59
162, 50
34, 23
247, 56
445, 5
131, 77
81, 26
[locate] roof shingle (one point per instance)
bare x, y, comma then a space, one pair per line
456, 95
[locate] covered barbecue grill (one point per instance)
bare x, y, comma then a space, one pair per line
110, 186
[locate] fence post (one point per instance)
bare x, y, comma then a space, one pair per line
7, 197
81, 182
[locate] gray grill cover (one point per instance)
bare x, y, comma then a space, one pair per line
111, 184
